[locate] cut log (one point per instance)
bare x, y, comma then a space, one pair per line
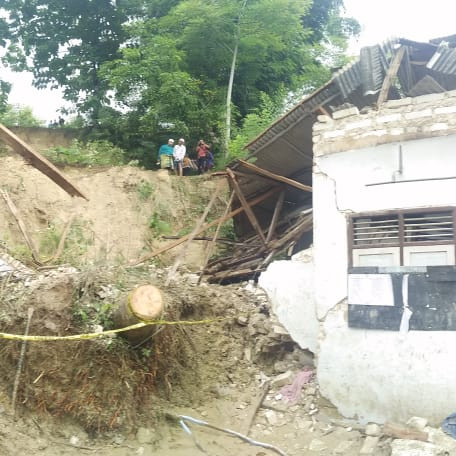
399, 431
144, 303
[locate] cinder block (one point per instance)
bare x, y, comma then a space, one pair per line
324, 119
418, 114
429, 98
389, 118
445, 110
333, 134
438, 127
397, 103
354, 111
359, 124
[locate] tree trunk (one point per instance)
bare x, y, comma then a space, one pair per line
228, 98
144, 303
231, 80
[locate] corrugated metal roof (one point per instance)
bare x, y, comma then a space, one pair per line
285, 147
444, 60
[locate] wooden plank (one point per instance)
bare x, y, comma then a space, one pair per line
192, 235
209, 238
399, 431
276, 177
39, 162
211, 245
231, 214
248, 210
20, 223
275, 216
390, 75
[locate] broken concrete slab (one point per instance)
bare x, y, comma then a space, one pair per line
369, 445
415, 448
286, 284
282, 379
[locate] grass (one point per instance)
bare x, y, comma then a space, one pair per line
144, 190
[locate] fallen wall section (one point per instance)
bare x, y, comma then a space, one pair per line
289, 286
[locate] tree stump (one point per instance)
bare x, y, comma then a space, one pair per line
144, 303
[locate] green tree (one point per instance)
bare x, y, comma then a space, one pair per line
66, 42
19, 116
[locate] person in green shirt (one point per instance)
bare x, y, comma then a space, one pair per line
165, 155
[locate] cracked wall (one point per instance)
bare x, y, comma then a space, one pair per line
392, 159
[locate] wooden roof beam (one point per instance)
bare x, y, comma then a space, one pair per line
39, 162
275, 177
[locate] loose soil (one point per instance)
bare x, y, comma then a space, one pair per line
105, 397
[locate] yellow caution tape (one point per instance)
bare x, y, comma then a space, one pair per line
109, 332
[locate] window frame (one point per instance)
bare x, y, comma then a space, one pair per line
402, 243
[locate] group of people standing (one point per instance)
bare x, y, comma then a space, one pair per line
175, 157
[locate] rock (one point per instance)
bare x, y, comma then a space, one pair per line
343, 447
144, 435
439, 438
282, 379
369, 445
311, 391
317, 445
279, 330
373, 430
415, 448
271, 417
242, 320
75, 440
281, 366
418, 423
302, 424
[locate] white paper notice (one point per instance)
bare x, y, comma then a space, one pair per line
370, 289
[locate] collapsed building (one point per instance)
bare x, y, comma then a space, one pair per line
374, 296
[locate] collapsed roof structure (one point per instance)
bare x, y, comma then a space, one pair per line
397, 69
277, 174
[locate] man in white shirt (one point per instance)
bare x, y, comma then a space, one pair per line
178, 156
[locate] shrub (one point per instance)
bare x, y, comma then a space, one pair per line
92, 153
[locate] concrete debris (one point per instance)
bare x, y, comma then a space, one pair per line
415, 448
373, 430
418, 423
369, 445
10, 267
317, 445
343, 447
282, 379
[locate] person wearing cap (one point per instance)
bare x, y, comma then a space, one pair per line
165, 155
178, 155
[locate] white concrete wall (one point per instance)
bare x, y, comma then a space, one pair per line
379, 375
290, 288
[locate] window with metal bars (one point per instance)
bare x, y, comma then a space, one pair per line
403, 237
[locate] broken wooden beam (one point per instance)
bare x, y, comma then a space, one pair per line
275, 216
39, 162
399, 431
20, 223
205, 227
247, 209
172, 271
390, 75
276, 177
209, 238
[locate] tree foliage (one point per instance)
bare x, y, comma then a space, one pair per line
144, 70
19, 116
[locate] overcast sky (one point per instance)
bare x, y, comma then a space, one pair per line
418, 20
